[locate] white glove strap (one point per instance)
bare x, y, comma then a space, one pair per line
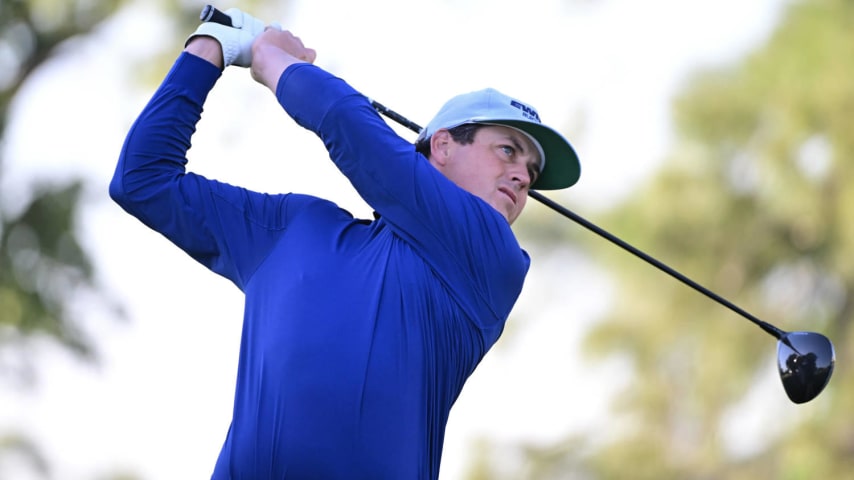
236, 41
226, 36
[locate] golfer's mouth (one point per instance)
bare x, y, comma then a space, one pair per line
509, 193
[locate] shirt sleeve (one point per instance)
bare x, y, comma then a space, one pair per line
469, 243
210, 220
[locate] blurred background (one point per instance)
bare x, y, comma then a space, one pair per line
716, 136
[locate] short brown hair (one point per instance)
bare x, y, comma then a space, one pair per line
463, 134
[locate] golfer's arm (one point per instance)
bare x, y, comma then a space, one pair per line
149, 181
269, 62
207, 48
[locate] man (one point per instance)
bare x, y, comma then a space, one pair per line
357, 335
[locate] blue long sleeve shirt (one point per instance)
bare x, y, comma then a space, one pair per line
357, 335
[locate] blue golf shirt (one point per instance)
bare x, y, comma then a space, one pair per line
357, 335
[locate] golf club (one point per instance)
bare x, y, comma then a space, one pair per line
805, 360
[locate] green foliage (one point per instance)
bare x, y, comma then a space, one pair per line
41, 261
755, 201
41, 264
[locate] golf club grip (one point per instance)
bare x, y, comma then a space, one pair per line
213, 14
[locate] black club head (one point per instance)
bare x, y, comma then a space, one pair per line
805, 361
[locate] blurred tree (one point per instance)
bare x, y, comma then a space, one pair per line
754, 203
42, 264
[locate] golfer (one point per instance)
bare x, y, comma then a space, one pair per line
358, 335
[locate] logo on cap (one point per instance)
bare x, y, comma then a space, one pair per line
527, 111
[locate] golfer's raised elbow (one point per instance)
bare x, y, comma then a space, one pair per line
132, 186
117, 189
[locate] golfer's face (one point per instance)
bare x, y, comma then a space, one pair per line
499, 167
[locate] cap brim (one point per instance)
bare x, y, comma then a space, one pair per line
562, 168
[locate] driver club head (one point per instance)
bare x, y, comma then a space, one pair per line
806, 361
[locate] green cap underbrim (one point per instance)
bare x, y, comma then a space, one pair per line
562, 168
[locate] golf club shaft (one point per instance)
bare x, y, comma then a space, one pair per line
210, 13
771, 329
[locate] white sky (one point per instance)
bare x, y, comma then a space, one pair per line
159, 403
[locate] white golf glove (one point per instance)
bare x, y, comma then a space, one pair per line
236, 41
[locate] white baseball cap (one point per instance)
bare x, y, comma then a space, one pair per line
560, 167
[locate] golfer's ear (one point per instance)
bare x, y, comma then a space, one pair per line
440, 144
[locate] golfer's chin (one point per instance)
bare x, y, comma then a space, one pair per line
507, 207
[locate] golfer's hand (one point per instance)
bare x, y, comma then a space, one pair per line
235, 41
274, 51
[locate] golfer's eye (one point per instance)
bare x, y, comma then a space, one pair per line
508, 150
533, 173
